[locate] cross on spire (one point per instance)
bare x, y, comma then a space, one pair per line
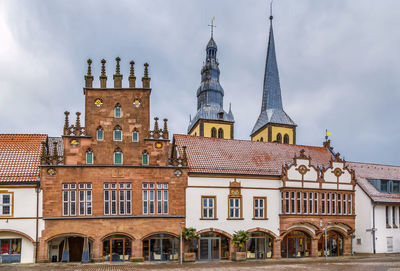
212, 26
270, 10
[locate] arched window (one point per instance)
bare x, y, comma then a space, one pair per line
117, 133
262, 139
279, 138
145, 158
135, 135
220, 133
117, 111
286, 139
213, 132
89, 157
100, 134
118, 157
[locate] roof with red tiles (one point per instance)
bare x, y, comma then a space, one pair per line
20, 157
365, 171
243, 157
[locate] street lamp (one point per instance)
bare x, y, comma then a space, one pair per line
181, 224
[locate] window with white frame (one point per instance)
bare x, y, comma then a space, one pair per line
328, 203
339, 204
344, 204
298, 202
100, 134
208, 207
310, 201
135, 135
117, 134
287, 209
6, 204
125, 199
162, 198
234, 207
333, 203
323, 206
393, 215
110, 198
316, 200
305, 202
117, 111
259, 207
85, 198
118, 157
349, 204
148, 192
69, 199
145, 158
292, 202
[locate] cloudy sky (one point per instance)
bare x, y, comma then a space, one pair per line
338, 62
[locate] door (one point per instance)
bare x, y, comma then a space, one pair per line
117, 250
209, 249
291, 247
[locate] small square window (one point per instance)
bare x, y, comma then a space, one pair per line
159, 186
81, 186
358, 241
165, 186
135, 136
144, 185
113, 186
73, 186
106, 185
65, 186
89, 186
151, 185
121, 185
128, 186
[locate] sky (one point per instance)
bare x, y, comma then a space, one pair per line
338, 63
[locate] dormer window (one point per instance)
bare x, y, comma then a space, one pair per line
145, 158
89, 157
100, 134
118, 157
117, 111
117, 133
221, 115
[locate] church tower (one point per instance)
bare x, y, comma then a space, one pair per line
273, 124
211, 120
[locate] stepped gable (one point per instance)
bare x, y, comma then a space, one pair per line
243, 157
20, 157
365, 171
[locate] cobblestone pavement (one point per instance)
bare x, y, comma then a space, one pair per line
365, 263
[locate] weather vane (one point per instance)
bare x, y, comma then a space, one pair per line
212, 26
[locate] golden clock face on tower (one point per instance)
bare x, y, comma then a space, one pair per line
136, 102
51, 171
98, 102
337, 172
158, 145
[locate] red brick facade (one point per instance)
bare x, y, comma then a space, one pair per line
71, 168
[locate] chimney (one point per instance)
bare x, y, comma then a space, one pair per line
132, 77
103, 77
146, 78
117, 76
89, 77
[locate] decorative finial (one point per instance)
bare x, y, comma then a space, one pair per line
270, 10
165, 130
78, 128
156, 124
103, 67
66, 124
132, 77
117, 70
43, 156
146, 78
146, 70
89, 70
212, 26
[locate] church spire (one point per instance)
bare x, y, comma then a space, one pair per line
272, 113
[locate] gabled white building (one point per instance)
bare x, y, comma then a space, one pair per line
377, 208
20, 197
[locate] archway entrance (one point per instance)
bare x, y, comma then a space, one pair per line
213, 246
161, 247
296, 244
259, 246
334, 244
117, 248
70, 249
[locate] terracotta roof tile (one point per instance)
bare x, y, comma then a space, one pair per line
20, 157
365, 171
243, 157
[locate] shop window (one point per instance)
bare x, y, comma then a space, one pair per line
213, 132
260, 209
135, 136
100, 134
85, 198
89, 157
161, 247
117, 248
117, 111
259, 246
118, 157
69, 199
10, 250
117, 133
220, 133
6, 200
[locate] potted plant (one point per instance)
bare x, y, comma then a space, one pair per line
190, 237
240, 239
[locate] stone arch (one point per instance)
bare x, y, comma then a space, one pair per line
159, 232
68, 234
264, 231
215, 230
299, 228
19, 233
117, 233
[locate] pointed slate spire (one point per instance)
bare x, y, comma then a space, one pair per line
272, 98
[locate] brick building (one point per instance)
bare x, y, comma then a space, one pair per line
109, 190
